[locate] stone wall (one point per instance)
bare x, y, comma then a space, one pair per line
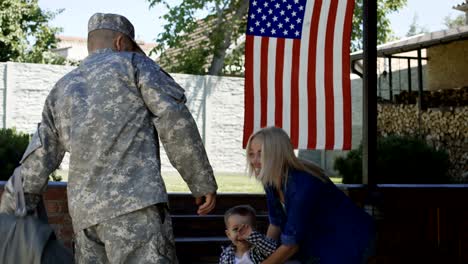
217, 104
27, 86
442, 128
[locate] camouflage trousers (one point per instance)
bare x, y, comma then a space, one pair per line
143, 236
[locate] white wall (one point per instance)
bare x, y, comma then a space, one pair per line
220, 120
2, 92
27, 88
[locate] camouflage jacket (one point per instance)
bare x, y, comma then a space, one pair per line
108, 114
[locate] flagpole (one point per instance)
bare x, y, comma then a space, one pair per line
369, 141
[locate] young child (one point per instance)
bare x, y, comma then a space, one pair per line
248, 246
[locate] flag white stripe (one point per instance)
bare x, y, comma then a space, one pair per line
320, 75
303, 73
271, 109
287, 65
256, 82
338, 73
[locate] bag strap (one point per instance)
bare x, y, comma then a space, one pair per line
20, 200
17, 183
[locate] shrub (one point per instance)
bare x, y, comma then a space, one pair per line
350, 168
12, 147
402, 160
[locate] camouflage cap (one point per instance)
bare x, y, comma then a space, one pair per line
114, 22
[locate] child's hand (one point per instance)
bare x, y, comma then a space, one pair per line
244, 231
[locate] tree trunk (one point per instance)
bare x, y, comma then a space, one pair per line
217, 63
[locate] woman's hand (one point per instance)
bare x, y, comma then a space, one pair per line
281, 254
273, 232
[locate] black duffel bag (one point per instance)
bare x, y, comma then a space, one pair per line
27, 238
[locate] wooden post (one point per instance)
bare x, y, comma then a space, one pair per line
409, 75
390, 78
369, 142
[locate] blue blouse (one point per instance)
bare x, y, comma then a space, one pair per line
321, 219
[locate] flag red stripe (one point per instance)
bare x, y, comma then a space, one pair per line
296, 52
279, 82
347, 111
264, 82
249, 94
311, 78
329, 94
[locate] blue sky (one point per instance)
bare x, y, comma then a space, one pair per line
430, 14
147, 24
74, 19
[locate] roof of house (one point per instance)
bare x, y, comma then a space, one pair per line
147, 47
71, 39
199, 36
462, 6
195, 38
421, 41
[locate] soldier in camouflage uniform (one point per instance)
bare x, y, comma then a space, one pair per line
108, 114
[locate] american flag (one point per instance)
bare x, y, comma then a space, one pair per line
297, 71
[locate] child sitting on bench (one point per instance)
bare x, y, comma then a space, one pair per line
248, 246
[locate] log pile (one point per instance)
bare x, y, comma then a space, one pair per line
456, 97
444, 128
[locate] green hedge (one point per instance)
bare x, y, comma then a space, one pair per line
402, 160
12, 147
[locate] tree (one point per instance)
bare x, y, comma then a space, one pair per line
415, 28
221, 50
458, 21
384, 32
224, 24
25, 35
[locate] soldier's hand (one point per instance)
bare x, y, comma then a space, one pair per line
7, 203
206, 206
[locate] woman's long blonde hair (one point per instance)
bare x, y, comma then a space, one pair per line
278, 158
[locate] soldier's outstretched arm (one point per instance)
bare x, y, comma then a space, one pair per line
178, 131
42, 156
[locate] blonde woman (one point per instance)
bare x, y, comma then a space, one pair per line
313, 220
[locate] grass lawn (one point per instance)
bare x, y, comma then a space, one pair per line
227, 182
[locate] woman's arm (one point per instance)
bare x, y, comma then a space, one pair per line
273, 232
282, 254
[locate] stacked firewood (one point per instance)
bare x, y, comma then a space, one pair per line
397, 119
437, 98
444, 128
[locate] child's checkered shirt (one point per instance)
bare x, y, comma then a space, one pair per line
261, 248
